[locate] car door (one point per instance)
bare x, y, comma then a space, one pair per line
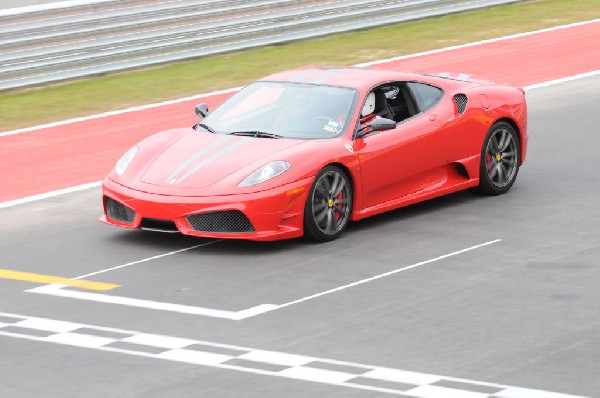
402, 161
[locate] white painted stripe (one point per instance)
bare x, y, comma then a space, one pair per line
47, 325
401, 376
50, 194
259, 309
196, 357
156, 340
148, 259
231, 90
515, 392
58, 290
80, 340
139, 303
216, 361
276, 358
444, 392
478, 43
385, 274
317, 375
117, 112
562, 80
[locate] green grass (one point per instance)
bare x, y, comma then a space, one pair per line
116, 91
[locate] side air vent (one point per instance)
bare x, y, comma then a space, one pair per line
229, 221
118, 211
461, 103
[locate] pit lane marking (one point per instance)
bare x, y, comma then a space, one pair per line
58, 290
257, 361
45, 279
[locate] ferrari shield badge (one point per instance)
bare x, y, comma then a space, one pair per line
349, 147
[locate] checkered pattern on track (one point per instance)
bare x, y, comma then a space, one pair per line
224, 356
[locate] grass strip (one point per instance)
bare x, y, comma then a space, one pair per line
46, 104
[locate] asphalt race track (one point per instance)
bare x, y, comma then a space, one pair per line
521, 310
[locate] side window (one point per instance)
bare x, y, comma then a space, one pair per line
425, 95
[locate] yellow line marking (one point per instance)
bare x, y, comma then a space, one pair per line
48, 279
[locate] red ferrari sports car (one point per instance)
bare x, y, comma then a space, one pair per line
303, 152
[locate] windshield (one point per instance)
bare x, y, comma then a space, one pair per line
286, 110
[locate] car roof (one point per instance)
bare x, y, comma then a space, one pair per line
358, 78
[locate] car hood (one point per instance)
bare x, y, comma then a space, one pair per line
198, 159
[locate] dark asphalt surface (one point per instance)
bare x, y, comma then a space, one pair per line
523, 311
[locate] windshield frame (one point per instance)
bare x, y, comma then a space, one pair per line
326, 134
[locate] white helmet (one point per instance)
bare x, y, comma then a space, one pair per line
369, 105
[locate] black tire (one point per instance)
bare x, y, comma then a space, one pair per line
328, 205
500, 159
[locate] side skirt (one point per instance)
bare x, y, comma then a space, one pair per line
413, 198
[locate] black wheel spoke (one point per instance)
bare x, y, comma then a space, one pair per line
334, 186
329, 225
320, 216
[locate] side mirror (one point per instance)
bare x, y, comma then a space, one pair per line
202, 110
379, 124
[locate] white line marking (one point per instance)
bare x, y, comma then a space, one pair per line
385, 274
195, 357
132, 302
477, 43
80, 340
48, 325
401, 376
50, 194
297, 372
562, 80
319, 375
117, 112
157, 340
516, 392
444, 392
60, 291
148, 259
175, 101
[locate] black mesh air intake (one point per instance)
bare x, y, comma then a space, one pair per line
229, 221
461, 103
118, 211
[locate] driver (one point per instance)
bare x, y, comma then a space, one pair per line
367, 114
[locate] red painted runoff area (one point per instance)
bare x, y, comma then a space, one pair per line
72, 154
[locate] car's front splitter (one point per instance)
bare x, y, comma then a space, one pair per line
273, 214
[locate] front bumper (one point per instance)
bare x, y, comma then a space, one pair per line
275, 214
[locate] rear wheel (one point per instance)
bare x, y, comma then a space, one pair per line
328, 205
500, 157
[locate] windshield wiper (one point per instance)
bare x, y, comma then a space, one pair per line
261, 134
207, 127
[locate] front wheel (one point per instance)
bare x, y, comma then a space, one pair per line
500, 158
328, 205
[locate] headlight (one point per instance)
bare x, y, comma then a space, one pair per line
125, 160
265, 173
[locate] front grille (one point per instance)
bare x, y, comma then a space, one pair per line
119, 212
157, 224
461, 103
229, 221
